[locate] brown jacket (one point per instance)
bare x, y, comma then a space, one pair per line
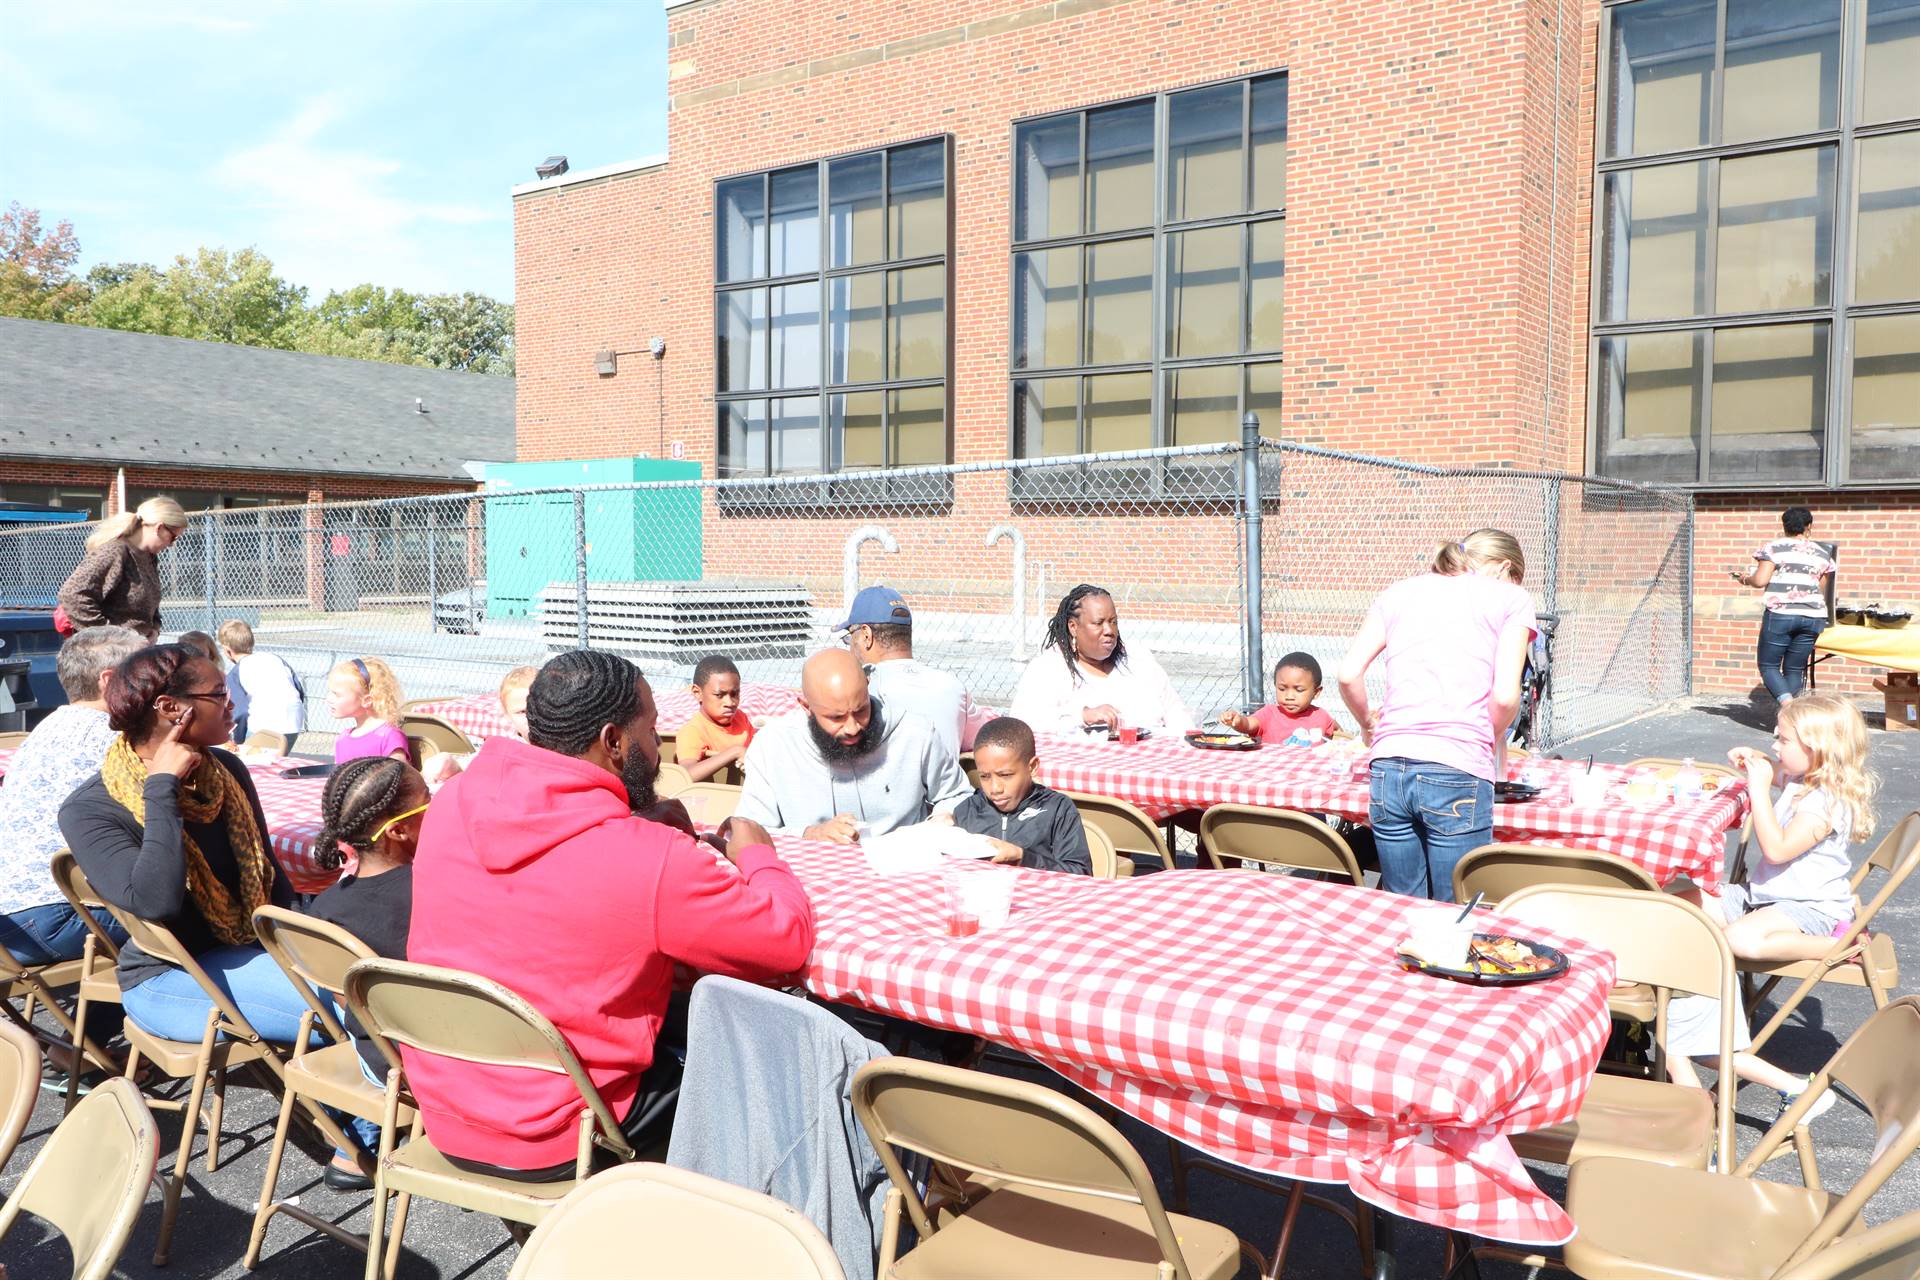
117, 584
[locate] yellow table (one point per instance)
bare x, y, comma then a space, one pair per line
1897, 649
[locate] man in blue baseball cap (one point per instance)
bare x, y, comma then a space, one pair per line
879, 631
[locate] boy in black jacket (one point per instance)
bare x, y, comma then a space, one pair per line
1032, 825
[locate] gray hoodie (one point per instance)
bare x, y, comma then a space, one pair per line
790, 787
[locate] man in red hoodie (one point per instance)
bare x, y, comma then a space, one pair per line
535, 871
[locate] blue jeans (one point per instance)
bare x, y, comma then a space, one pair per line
50, 934
172, 1005
1425, 818
1786, 646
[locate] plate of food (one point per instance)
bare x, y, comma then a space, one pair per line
1514, 792
320, 769
1495, 960
1221, 739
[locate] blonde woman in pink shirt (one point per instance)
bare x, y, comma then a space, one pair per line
1454, 643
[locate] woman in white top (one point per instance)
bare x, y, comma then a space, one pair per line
1084, 675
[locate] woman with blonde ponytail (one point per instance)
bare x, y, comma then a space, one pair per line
117, 583
1453, 641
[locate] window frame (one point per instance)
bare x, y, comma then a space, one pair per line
1839, 314
823, 276
1160, 233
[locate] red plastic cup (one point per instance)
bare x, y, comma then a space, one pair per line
962, 926
1129, 736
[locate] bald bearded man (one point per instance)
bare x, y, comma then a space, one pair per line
839, 767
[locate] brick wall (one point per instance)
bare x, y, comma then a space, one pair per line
1437, 292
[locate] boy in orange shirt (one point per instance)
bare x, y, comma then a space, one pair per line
719, 732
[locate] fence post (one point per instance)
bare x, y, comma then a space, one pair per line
1253, 685
1550, 598
209, 571
433, 571
1686, 599
580, 563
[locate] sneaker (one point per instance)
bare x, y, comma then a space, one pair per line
1820, 1108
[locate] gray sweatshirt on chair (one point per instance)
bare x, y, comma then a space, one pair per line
790, 787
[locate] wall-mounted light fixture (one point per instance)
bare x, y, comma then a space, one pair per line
607, 363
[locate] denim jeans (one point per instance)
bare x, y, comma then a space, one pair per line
1786, 646
1425, 818
173, 1006
49, 934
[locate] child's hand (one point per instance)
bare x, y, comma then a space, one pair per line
1239, 723
1759, 770
1007, 853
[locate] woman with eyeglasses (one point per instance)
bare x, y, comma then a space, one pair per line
170, 831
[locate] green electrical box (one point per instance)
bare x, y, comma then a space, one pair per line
632, 535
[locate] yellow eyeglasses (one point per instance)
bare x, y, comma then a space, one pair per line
392, 822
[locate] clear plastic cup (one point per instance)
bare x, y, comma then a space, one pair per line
986, 893
1438, 935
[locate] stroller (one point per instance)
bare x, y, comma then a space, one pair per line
1536, 683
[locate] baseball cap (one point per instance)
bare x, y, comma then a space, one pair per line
877, 606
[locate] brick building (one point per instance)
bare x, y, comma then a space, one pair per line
1652, 239
221, 426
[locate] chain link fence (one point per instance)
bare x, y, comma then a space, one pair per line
456, 590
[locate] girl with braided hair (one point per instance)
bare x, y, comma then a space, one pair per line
1085, 677
170, 830
370, 818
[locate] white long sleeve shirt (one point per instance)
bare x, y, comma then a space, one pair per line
1052, 697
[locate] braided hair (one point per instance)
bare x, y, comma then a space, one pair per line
1059, 637
576, 695
361, 794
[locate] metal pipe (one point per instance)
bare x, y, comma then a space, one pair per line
850, 559
1253, 685
994, 535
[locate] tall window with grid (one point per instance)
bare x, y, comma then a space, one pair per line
1756, 302
1149, 243
830, 316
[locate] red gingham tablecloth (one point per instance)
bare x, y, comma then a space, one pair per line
478, 716
1165, 775
1260, 1018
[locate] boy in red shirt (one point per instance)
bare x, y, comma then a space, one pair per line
1291, 718
719, 732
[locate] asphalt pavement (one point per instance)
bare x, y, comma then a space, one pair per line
441, 1242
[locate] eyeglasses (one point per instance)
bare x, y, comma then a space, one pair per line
220, 693
393, 822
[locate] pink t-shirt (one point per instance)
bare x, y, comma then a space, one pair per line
381, 740
1271, 724
1443, 634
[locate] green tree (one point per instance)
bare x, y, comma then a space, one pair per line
36, 267
237, 297
140, 303
469, 332
105, 275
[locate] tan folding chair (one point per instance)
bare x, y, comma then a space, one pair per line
315, 955
265, 739
1502, 870
19, 1084
672, 781
1131, 831
12, 740
429, 731
1670, 945
1638, 1220
90, 1178
472, 1019
709, 803
36, 985
1858, 957
1069, 1197
1890, 1251
1276, 837
670, 748
692, 1226
1104, 858
970, 767
98, 980
228, 1040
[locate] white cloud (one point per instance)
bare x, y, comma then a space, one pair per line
332, 215
31, 99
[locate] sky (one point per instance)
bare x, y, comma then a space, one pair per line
349, 142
